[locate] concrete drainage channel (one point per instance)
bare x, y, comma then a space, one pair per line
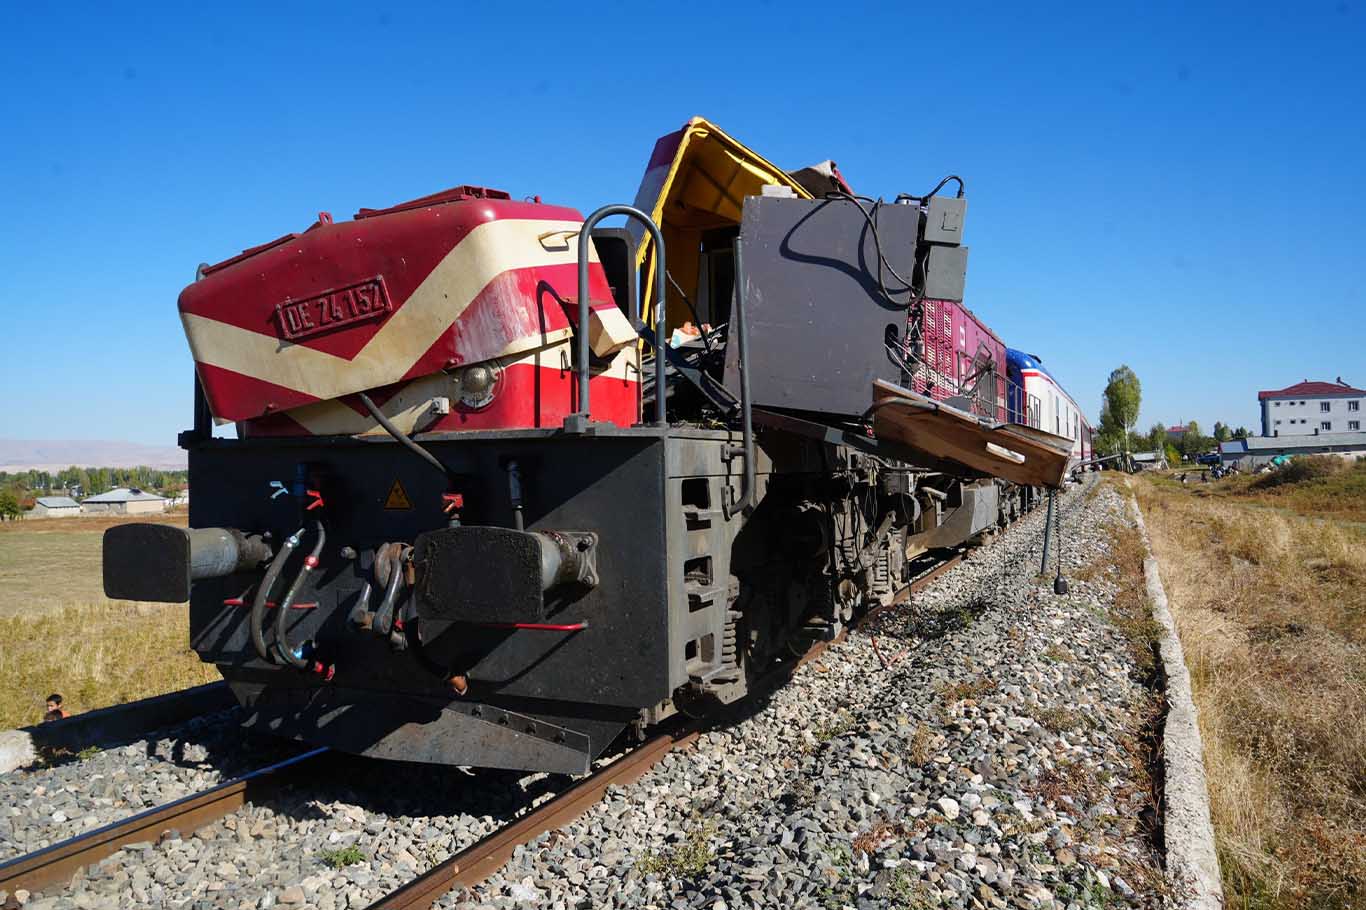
1192, 861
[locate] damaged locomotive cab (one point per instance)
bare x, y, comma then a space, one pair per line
482, 574
157, 562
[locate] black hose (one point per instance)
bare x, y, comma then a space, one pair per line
916, 296
402, 437
258, 606
282, 646
697, 319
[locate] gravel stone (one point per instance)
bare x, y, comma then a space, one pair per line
991, 765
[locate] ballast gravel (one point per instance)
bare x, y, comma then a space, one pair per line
994, 761
44, 804
997, 763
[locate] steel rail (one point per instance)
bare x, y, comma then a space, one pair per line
481, 859
58, 862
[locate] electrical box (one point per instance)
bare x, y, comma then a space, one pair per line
818, 320
946, 269
944, 220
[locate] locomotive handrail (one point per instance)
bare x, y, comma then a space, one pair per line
746, 501
579, 419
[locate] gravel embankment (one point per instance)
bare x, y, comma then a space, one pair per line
349, 834
40, 806
994, 765
990, 765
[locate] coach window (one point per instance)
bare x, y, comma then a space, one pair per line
1324, 406
1325, 424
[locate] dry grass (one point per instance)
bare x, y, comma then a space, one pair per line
55, 562
95, 655
1272, 614
1317, 486
970, 689
58, 633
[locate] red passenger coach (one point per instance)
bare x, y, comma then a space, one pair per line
455, 311
962, 358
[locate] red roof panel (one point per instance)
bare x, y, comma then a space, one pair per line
1310, 390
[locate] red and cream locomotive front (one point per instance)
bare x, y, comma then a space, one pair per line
452, 312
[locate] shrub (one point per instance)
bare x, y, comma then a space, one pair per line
342, 856
1301, 469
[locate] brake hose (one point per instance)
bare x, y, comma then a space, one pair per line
258, 606
282, 646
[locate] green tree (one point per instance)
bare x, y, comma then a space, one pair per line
1157, 437
1192, 443
1173, 455
1123, 395
1241, 433
9, 506
1109, 437
1222, 432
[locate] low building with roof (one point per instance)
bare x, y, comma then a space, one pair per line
54, 507
1251, 453
1148, 461
125, 501
1307, 408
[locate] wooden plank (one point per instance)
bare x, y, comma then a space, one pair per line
925, 425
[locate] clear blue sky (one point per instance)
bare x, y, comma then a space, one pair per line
1180, 190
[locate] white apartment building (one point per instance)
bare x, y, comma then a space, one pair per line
1311, 408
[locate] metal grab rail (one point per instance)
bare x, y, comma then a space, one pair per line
577, 422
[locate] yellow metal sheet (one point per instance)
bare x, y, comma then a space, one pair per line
696, 181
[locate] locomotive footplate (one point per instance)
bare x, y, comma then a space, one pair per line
414, 728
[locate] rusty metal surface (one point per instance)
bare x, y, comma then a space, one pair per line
59, 862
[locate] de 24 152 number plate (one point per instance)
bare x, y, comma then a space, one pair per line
334, 309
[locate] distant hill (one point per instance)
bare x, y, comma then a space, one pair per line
55, 454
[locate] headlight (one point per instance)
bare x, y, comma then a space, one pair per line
478, 383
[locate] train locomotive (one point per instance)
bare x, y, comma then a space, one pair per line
507, 485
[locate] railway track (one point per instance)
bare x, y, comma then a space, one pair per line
50, 865
57, 863
480, 860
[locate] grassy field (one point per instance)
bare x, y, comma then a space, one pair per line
58, 632
1320, 486
1268, 587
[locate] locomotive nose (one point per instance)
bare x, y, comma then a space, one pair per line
157, 562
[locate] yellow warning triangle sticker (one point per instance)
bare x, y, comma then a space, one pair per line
398, 497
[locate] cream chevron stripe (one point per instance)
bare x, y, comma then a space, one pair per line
411, 407
485, 253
